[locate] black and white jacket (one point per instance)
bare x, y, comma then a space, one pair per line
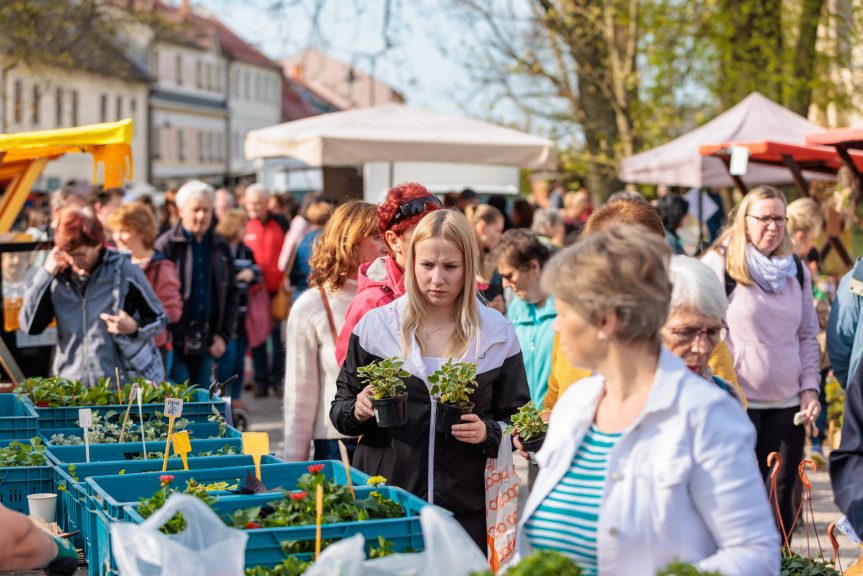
406, 454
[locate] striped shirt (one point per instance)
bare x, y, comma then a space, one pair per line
567, 519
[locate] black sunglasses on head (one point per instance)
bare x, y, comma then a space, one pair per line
414, 207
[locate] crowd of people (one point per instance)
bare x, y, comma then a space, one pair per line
666, 379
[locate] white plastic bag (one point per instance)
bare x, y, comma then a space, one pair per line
502, 485
344, 558
205, 548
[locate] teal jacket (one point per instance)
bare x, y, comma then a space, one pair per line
844, 330
533, 327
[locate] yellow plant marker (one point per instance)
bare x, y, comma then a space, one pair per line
173, 409
182, 446
343, 450
319, 514
119, 391
256, 445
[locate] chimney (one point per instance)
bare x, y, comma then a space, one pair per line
185, 9
297, 72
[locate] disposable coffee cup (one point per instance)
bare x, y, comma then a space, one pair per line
43, 506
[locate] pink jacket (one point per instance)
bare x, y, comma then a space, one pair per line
772, 337
379, 283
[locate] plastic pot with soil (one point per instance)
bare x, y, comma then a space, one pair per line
452, 385
388, 391
391, 412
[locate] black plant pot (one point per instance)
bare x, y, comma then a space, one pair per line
448, 415
533, 445
391, 412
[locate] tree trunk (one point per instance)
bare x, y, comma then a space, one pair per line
803, 64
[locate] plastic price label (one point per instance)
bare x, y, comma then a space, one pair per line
173, 407
256, 445
845, 527
85, 417
182, 446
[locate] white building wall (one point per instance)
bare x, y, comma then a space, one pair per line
254, 101
75, 98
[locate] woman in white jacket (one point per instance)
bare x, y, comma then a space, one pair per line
350, 238
645, 462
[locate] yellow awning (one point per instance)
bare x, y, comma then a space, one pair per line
109, 143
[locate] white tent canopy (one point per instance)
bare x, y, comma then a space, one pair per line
397, 133
753, 119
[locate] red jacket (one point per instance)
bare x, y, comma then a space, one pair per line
162, 275
266, 239
379, 283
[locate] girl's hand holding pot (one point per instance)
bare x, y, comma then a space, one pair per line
473, 431
363, 409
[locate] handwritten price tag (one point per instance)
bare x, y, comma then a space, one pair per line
173, 407
845, 526
85, 417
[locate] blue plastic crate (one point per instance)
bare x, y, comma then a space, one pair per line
115, 492
18, 419
73, 493
197, 430
198, 410
132, 450
264, 544
16, 483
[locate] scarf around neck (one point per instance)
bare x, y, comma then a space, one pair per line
770, 273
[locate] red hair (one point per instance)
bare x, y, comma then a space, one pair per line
78, 227
396, 196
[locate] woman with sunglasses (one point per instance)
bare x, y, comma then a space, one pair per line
382, 281
696, 318
772, 332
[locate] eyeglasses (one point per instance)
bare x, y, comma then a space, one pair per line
690, 333
779, 221
414, 207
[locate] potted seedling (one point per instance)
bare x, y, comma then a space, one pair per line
389, 396
452, 384
531, 429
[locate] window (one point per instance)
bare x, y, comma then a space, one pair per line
220, 149
19, 101
58, 108
119, 108
235, 83
178, 70
156, 144
133, 107
36, 105
74, 107
246, 85
103, 108
154, 64
218, 73
200, 146
181, 145
237, 145
208, 69
199, 80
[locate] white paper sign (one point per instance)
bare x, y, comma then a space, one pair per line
173, 407
845, 526
85, 417
133, 393
141, 418
739, 161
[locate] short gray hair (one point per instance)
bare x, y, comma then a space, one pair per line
193, 189
544, 219
696, 286
258, 188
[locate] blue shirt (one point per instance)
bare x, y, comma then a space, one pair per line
567, 519
197, 305
301, 270
533, 327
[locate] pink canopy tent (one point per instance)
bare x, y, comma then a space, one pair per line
755, 118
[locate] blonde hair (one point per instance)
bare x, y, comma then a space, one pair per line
335, 253
804, 215
319, 212
477, 213
232, 224
453, 227
734, 240
624, 269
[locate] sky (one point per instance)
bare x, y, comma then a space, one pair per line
352, 31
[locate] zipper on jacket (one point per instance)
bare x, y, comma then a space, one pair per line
430, 479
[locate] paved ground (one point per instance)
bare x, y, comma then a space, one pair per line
267, 416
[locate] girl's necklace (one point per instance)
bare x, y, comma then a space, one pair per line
427, 334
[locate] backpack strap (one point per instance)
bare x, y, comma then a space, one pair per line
731, 283
798, 262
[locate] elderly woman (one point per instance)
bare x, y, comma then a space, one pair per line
772, 333
644, 463
696, 321
107, 313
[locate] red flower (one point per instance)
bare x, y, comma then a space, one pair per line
299, 496
252, 525
43, 404
316, 468
166, 479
